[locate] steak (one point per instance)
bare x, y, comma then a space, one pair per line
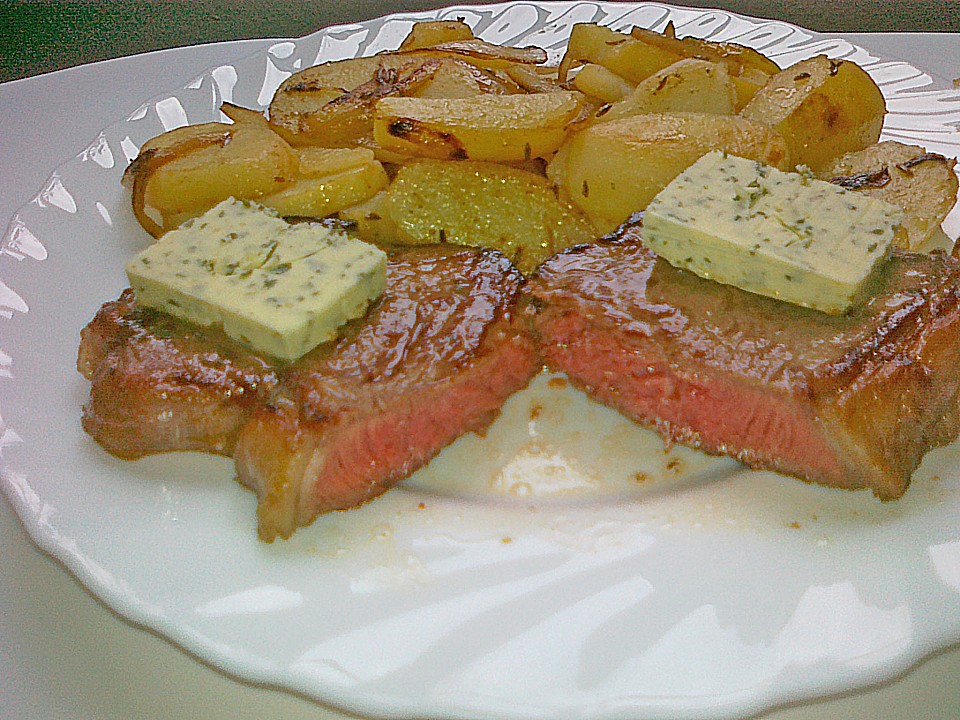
851, 401
158, 384
436, 357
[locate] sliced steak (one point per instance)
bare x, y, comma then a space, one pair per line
435, 359
851, 401
158, 384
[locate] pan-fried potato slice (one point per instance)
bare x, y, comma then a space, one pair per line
371, 221
316, 161
613, 169
489, 55
323, 195
823, 108
481, 204
184, 172
748, 69
331, 105
923, 184
596, 81
457, 78
629, 58
531, 78
640, 54
346, 75
686, 86
435, 32
492, 127
303, 113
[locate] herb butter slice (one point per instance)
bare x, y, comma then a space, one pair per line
281, 289
780, 234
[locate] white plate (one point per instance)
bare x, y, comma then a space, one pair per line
553, 588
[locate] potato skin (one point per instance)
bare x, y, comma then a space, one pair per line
613, 169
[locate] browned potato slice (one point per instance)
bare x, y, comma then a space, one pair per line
185, 172
457, 78
629, 58
244, 115
483, 205
491, 127
748, 68
686, 86
435, 32
726, 52
532, 79
316, 161
598, 82
614, 169
332, 105
823, 108
372, 221
303, 113
346, 75
323, 195
921, 183
488, 55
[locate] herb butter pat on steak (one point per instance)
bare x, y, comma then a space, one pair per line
278, 288
780, 234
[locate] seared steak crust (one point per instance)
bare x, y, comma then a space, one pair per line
157, 384
850, 401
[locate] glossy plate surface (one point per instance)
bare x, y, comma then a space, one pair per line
564, 565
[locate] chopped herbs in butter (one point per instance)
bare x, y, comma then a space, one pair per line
780, 234
281, 289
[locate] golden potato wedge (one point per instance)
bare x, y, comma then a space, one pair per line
923, 184
613, 169
736, 57
457, 78
748, 69
629, 58
598, 82
689, 85
371, 220
183, 173
823, 108
490, 127
322, 195
481, 204
435, 32
303, 113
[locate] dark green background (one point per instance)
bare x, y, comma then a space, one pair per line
38, 37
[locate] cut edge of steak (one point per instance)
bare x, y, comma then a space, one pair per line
435, 360
861, 416
301, 468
